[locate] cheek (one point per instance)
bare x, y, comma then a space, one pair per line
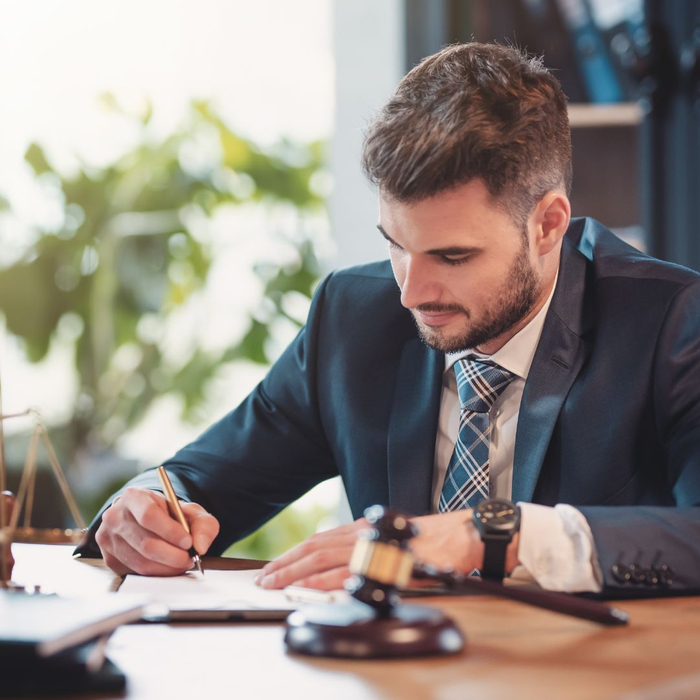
479, 277
470, 287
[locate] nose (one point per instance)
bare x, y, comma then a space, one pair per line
417, 284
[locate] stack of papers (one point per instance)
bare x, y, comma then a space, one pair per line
35, 625
218, 595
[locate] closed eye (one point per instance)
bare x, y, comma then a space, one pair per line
449, 256
454, 260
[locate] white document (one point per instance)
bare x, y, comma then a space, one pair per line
225, 592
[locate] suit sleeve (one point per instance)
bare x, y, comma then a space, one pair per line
647, 550
260, 457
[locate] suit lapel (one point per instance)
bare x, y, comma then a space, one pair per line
560, 354
413, 427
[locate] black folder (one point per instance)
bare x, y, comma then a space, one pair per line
45, 642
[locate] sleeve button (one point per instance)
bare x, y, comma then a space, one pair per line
637, 573
651, 576
666, 575
620, 573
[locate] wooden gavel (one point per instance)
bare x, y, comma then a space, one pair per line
375, 623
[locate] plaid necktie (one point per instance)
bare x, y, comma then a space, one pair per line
467, 480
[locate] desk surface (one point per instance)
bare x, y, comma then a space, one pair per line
513, 651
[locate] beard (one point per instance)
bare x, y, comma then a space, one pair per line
512, 303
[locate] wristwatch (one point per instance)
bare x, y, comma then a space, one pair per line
497, 520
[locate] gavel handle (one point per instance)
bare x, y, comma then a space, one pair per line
564, 603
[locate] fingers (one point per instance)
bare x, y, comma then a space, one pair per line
306, 549
305, 569
138, 535
326, 581
150, 510
203, 526
124, 559
335, 537
311, 562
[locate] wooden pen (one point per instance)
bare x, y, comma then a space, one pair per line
176, 512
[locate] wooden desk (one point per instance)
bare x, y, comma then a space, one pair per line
513, 651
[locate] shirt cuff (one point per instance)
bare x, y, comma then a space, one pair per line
556, 549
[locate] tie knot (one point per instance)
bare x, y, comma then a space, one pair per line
479, 383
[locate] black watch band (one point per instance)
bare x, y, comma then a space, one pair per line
495, 547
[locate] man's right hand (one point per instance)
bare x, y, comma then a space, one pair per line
138, 535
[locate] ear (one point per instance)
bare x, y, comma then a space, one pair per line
549, 222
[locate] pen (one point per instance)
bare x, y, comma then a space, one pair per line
176, 512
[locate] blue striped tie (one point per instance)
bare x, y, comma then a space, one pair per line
479, 384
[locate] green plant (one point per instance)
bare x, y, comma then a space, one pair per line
280, 534
129, 253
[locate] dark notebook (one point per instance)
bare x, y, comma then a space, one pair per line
66, 673
45, 643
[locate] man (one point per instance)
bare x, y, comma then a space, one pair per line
552, 365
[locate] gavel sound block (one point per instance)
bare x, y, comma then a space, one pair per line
375, 624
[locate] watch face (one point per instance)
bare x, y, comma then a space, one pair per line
498, 514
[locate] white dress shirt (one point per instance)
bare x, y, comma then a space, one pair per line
556, 544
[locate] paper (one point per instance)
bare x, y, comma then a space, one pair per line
216, 590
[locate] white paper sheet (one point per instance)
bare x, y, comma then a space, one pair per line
215, 590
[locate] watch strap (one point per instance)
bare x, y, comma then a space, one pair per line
495, 546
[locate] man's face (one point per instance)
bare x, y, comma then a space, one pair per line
464, 268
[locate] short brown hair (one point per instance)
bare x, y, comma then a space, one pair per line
473, 111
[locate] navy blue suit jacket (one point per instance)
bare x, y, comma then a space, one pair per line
609, 420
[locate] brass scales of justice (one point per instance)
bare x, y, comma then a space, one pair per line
10, 506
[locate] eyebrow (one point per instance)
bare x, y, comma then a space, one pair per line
452, 250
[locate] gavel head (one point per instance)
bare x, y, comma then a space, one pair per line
381, 561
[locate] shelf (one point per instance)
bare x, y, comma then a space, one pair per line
583, 116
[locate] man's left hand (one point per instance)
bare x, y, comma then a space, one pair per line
320, 562
446, 540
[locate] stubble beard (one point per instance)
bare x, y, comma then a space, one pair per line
516, 299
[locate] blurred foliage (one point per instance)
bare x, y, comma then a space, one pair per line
283, 532
128, 250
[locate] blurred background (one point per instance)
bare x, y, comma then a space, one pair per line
176, 178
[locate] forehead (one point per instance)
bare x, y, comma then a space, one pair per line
464, 214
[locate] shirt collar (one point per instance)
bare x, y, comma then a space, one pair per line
517, 354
